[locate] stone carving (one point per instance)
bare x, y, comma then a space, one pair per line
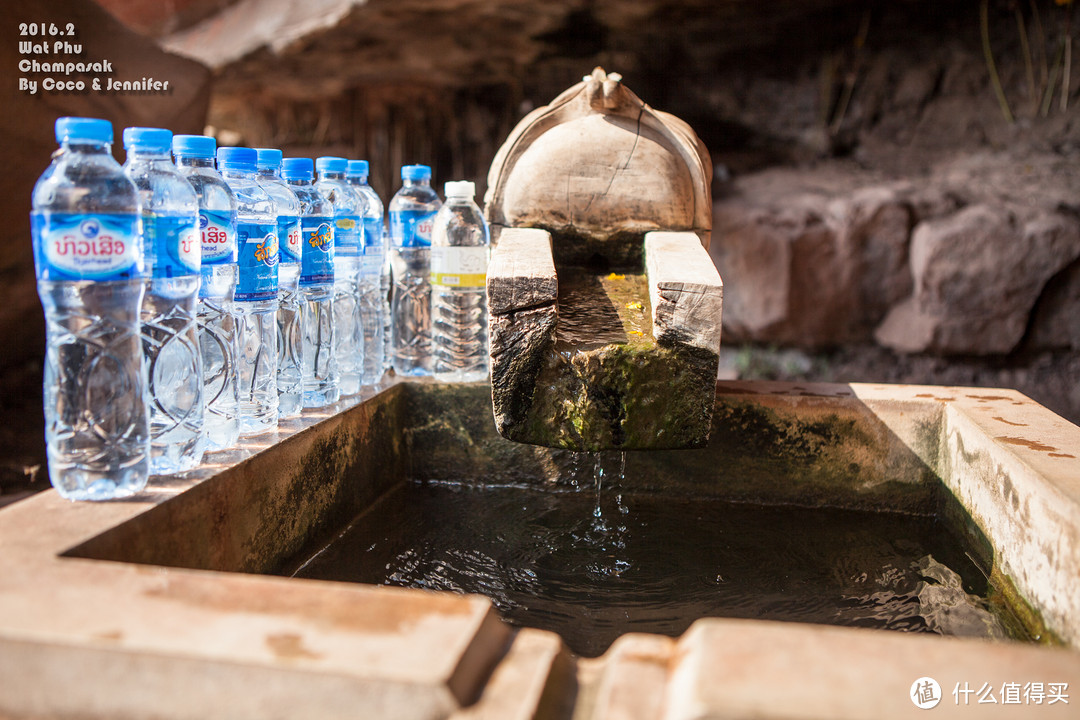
604, 304
598, 168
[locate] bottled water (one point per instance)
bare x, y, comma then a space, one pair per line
459, 258
218, 342
320, 370
412, 212
256, 292
290, 382
373, 313
170, 334
348, 237
89, 261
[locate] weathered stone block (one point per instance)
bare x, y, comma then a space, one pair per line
583, 362
686, 291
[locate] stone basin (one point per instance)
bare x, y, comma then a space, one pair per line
154, 607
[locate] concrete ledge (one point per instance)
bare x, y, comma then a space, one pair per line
1013, 466
737, 669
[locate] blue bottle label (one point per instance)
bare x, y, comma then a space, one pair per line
371, 264
289, 242
317, 261
172, 244
372, 234
347, 232
76, 246
412, 228
218, 230
258, 264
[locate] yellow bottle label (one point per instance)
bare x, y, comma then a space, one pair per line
459, 266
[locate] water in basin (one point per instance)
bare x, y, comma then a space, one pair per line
592, 570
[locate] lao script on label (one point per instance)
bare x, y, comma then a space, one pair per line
289, 241
258, 262
317, 260
218, 231
412, 228
69, 246
173, 246
459, 266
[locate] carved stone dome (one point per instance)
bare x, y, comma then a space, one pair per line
599, 168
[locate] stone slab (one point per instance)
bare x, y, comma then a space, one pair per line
686, 291
743, 669
521, 273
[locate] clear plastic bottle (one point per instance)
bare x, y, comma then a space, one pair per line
348, 237
316, 284
170, 333
459, 258
290, 379
256, 292
89, 260
412, 215
373, 310
218, 342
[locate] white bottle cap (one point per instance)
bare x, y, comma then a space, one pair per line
460, 189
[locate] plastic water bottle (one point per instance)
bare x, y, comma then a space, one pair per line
412, 215
89, 260
256, 291
348, 239
459, 257
320, 370
170, 333
218, 342
290, 381
372, 292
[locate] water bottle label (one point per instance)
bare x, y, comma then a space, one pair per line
317, 261
218, 237
172, 244
289, 238
412, 228
459, 266
373, 233
76, 246
371, 264
258, 262
347, 231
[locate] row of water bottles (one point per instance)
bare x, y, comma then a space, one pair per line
189, 304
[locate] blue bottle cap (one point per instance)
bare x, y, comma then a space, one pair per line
147, 139
329, 164
237, 158
74, 129
358, 168
296, 168
415, 172
268, 158
199, 146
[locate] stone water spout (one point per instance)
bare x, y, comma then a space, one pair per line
604, 304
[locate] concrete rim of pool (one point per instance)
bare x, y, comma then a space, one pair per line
109, 610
